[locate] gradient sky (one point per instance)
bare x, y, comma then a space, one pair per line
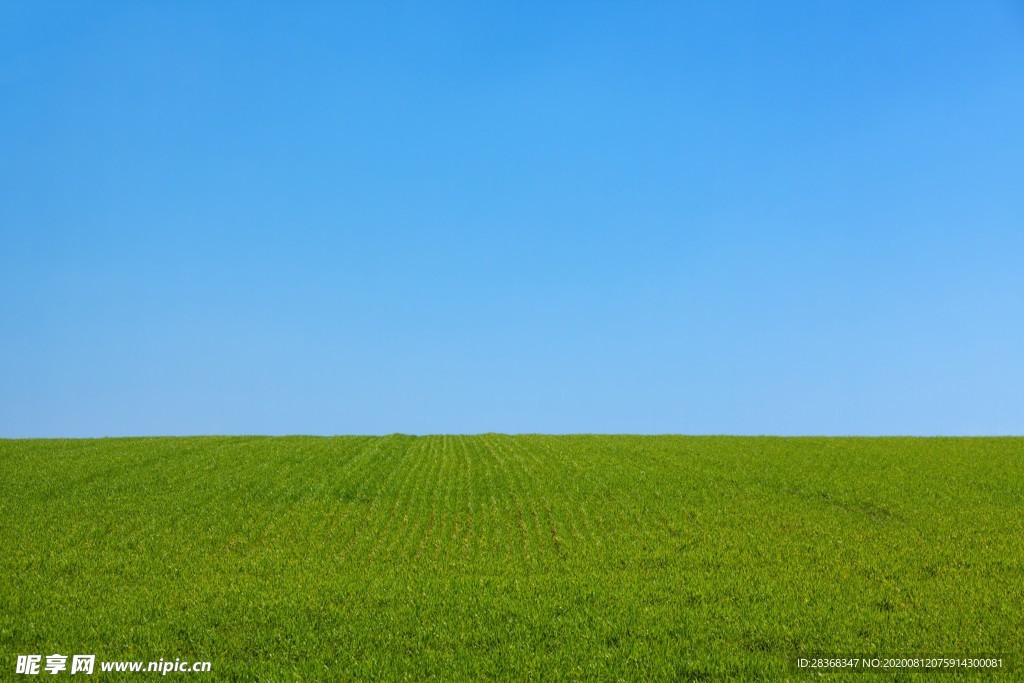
321, 218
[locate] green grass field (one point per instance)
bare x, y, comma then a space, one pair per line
496, 557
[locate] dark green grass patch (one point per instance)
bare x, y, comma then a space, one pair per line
515, 558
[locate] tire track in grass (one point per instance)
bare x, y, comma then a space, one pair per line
579, 526
237, 532
390, 468
682, 532
543, 467
466, 505
394, 497
299, 462
459, 504
442, 502
513, 488
348, 492
429, 501
407, 499
433, 501
505, 521
515, 524
271, 503
328, 510
478, 495
606, 520
554, 465
445, 532
331, 511
458, 483
348, 480
283, 492
630, 500
392, 494
672, 464
527, 490
503, 529
487, 544
412, 544
367, 492
555, 478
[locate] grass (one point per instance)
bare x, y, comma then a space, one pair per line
509, 557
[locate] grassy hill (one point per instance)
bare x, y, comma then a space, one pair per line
509, 557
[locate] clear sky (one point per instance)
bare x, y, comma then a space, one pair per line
363, 217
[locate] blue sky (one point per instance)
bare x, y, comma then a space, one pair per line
321, 218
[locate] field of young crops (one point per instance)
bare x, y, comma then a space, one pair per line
509, 557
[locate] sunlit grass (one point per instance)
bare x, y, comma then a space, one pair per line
497, 557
